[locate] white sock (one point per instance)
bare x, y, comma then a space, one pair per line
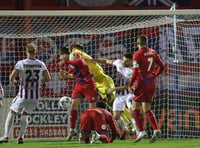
135, 126
98, 136
121, 124
155, 131
8, 124
23, 125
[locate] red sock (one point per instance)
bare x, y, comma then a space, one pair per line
152, 119
104, 138
138, 119
141, 119
73, 118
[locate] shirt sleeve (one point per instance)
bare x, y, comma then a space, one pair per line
135, 69
115, 62
160, 64
77, 63
18, 66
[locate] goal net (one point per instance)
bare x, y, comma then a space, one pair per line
106, 34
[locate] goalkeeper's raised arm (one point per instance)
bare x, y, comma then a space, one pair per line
102, 61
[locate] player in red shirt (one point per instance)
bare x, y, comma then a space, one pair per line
144, 76
96, 119
85, 85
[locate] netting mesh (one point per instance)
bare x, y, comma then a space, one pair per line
29, 27
177, 100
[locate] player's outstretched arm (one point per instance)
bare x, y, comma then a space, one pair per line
102, 61
120, 88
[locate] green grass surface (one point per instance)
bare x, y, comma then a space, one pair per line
183, 143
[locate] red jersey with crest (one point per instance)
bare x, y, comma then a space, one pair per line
97, 119
80, 70
85, 85
145, 73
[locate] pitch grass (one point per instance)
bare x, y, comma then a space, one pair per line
183, 143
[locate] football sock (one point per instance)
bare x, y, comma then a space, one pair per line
152, 119
137, 116
121, 124
23, 125
135, 126
127, 114
73, 118
8, 124
124, 117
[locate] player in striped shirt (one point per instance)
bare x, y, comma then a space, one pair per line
144, 75
31, 73
123, 97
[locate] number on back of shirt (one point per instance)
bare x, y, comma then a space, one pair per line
32, 76
150, 60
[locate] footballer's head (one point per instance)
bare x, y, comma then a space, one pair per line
31, 49
127, 60
78, 46
64, 53
101, 104
142, 41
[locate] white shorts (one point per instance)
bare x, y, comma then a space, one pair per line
1, 91
19, 104
121, 101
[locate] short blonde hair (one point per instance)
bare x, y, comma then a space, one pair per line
31, 48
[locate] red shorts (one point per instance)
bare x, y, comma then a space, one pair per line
144, 93
93, 121
85, 90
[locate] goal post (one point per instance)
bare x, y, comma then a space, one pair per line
105, 34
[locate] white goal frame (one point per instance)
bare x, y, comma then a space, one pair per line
185, 12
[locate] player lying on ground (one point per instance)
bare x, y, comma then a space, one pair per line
123, 98
85, 85
144, 76
96, 119
31, 73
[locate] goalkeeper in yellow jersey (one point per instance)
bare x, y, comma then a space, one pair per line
103, 81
